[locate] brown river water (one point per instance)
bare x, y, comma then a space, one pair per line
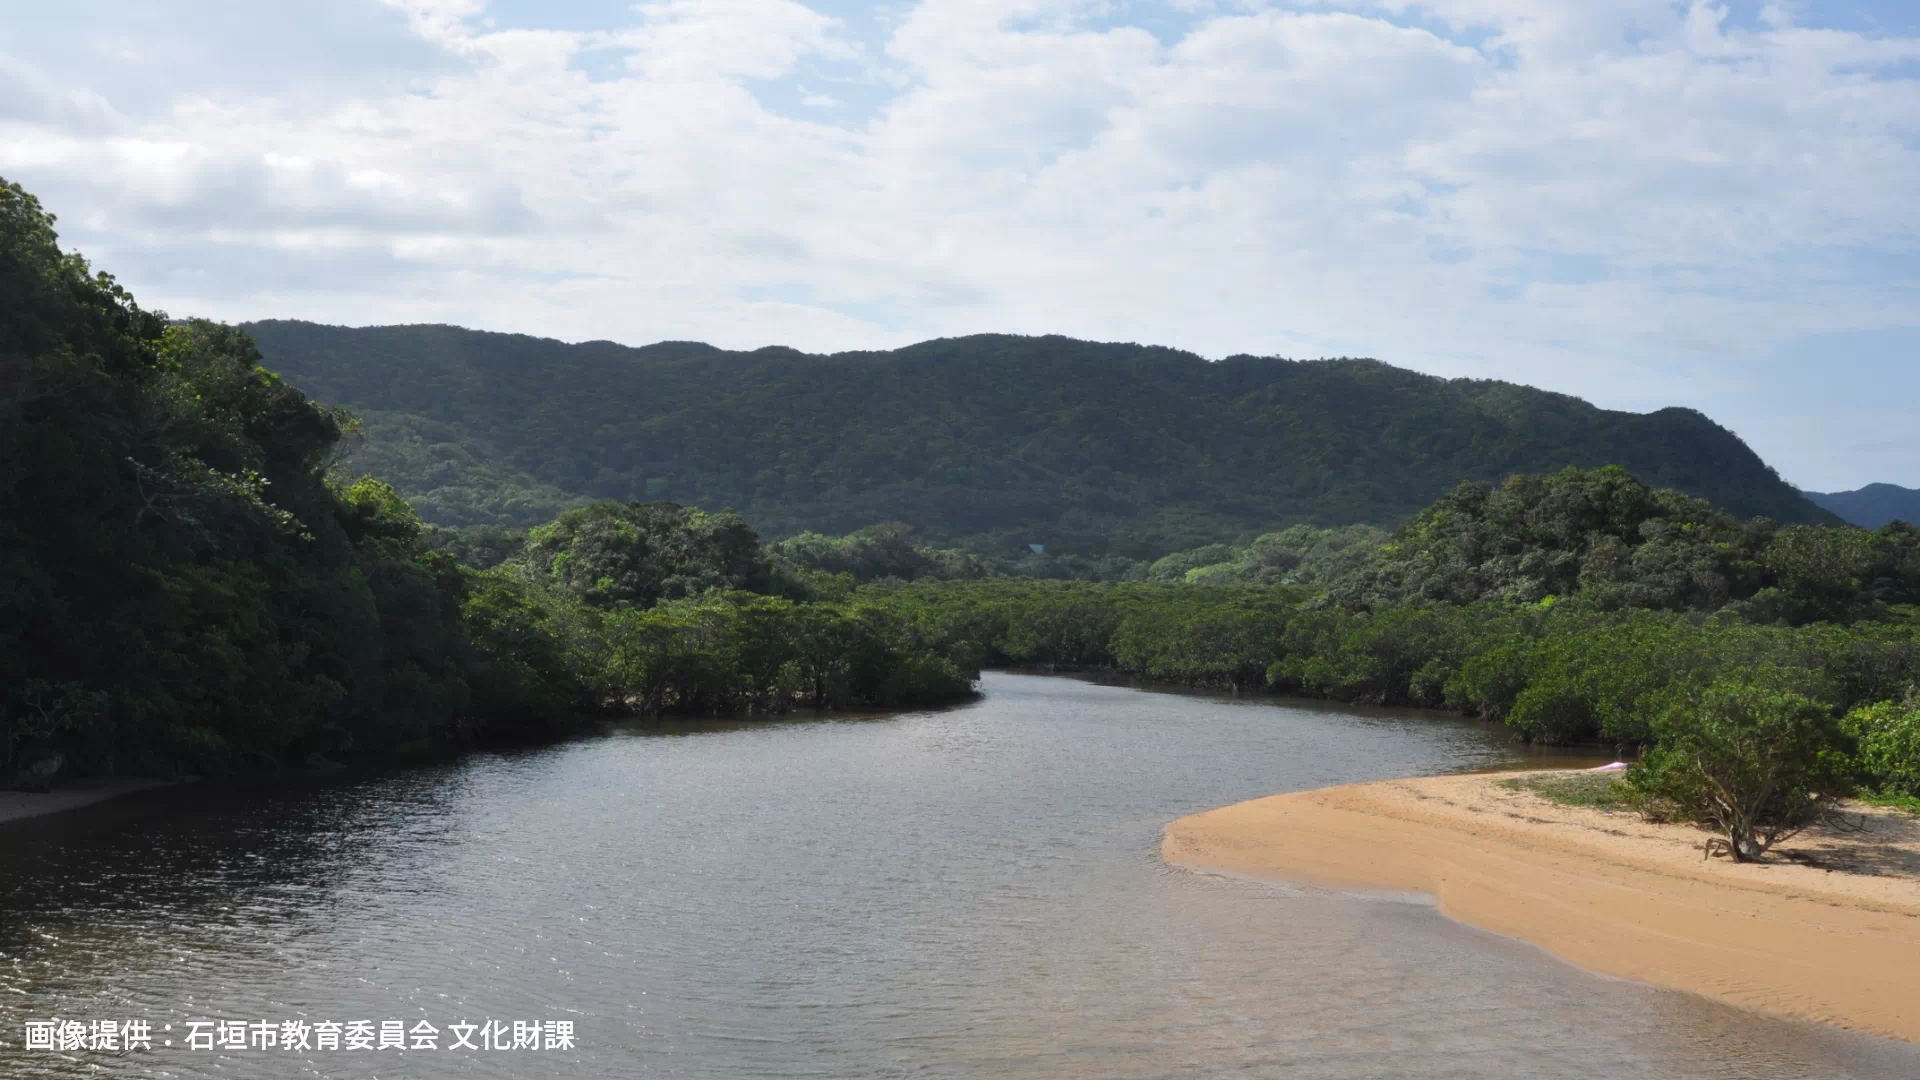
972, 892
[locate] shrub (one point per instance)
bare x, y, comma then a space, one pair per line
1758, 763
1888, 736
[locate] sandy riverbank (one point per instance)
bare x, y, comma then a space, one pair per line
19, 805
1837, 942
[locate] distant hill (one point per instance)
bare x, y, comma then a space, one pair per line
1872, 506
1000, 440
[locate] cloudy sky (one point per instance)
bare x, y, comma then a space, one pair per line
1641, 202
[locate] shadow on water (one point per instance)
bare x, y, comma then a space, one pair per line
723, 723
207, 852
226, 850
1524, 755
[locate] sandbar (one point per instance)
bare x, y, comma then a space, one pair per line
20, 805
1832, 936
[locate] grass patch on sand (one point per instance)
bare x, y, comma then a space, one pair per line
1894, 802
1598, 791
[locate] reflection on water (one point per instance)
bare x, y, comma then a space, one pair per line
967, 893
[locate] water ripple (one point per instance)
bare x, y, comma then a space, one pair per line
955, 894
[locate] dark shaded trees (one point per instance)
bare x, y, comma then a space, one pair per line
188, 585
181, 587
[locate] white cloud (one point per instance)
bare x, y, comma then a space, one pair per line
28, 99
1624, 199
696, 41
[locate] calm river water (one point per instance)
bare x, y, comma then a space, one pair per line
973, 892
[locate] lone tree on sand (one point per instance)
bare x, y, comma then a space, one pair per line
1759, 764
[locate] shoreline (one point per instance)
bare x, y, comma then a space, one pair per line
25, 805
1836, 941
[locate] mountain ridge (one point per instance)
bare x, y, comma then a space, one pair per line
1871, 506
998, 439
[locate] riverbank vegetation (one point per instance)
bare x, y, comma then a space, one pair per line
188, 584
1579, 606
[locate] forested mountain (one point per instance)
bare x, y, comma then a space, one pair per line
1003, 441
1872, 506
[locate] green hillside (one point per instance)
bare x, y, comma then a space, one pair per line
1003, 441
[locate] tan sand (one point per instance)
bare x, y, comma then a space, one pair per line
1836, 942
19, 805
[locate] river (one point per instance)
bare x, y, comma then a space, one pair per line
968, 893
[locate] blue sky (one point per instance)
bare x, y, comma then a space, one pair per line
1641, 202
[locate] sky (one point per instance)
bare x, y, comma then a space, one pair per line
1641, 202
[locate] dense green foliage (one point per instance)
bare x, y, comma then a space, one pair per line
1758, 763
185, 587
1089, 449
180, 585
637, 554
1301, 555
878, 552
1564, 673
1577, 606
1619, 544
1578, 678
743, 651
1887, 738
1202, 634
1871, 506
666, 608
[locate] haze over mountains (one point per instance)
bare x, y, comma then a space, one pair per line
999, 440
1872, 506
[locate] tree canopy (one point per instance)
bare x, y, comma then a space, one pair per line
180, 582
1617, 543
189, 583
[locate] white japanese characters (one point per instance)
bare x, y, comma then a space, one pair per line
298, 1036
